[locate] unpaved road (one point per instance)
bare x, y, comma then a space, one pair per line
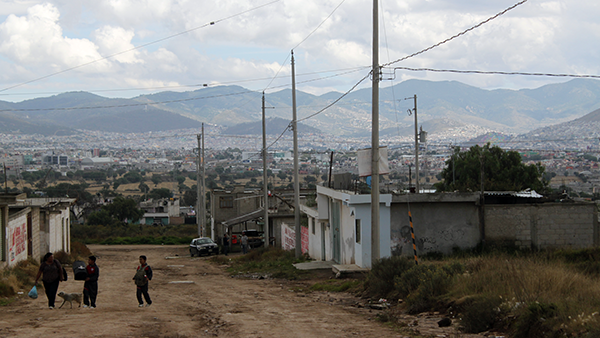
214, 305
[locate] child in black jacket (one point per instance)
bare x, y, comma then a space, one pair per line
90, 287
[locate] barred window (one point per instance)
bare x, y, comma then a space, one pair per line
226, 202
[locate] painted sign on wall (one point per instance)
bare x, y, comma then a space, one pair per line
17, 245
289, 238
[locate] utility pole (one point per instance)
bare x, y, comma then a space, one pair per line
416, 148
198, 200
265, 176
204, 229
375, 252
297, 229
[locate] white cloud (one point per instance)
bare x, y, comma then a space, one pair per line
555, 36
115, 40
36, 40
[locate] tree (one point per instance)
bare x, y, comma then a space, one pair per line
503, 171
124, 209
156, 179
189, 197
143, 187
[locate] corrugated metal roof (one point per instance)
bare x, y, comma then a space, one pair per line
527, 193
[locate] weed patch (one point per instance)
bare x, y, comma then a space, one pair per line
336, 285
380, 280
274, 262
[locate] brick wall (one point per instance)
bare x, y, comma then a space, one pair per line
539, 226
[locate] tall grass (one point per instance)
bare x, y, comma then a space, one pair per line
273, 262
545, 294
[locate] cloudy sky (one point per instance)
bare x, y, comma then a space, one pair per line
49, 47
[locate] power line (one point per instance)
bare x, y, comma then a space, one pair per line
139, 47
497, 72
338, 99
319, 26
457, 35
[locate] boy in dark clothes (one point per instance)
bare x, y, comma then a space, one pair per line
90, 287
141, 278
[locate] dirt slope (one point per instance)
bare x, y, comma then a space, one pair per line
213, 305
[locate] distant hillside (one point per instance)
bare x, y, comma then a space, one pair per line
81, 110
441, 105
584, 131
273, 126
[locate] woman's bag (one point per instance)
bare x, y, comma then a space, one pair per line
33, 293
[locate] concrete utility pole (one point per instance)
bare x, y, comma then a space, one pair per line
205, 228
265, 176
416, 148
375, 141
297, 228
198, 200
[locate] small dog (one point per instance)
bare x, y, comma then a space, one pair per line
70, 297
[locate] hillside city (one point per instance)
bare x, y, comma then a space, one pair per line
571, 166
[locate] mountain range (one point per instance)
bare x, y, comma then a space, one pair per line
441, 105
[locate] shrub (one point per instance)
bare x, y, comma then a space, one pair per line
63, 257
380, 280
536, 321
480, 313
424, 285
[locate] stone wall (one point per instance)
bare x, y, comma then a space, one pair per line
540, 226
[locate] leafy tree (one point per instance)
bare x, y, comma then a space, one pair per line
123, 209
156, 179
101, 217
190, 197
133, 177
160, 193
503, 171
143, 187
282, 176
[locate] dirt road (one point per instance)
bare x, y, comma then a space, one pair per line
204, 301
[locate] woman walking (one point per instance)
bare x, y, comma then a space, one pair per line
53, 275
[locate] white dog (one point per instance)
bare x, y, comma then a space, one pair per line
70, 297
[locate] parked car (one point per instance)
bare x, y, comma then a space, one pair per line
203, 246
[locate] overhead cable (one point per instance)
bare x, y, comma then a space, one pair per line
498, 72
140, 46
457, 35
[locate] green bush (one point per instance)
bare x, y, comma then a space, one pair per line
425, 285
379, 282
480, 313
537, 321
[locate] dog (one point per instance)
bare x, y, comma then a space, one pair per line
70, 297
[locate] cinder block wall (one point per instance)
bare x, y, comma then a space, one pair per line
540, 226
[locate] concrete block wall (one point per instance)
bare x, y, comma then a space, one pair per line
540, 226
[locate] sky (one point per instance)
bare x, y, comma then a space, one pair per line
125, 48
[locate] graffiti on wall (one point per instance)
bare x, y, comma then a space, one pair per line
289, 238
18, 241
402, 240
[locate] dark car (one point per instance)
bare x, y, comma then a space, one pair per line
203, 246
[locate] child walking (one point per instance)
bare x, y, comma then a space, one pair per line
141, 278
